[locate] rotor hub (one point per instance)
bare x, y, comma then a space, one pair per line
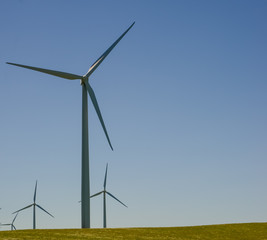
83, 80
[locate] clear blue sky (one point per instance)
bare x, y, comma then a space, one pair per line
183, 96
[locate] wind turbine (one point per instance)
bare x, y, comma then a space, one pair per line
11, 224
85, 186
104, 199
34, 204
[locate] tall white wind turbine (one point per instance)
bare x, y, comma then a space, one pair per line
10, 224
34, 205
104, 199
85, 186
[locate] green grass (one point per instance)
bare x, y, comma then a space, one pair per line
246, 231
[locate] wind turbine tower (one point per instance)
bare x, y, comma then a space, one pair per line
85, 185
10, 224
34, 205
104, 199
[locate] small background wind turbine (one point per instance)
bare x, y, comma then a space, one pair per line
34, 204
104, 199
86, 87
10, 224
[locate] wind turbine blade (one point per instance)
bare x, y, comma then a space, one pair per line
105, 181
23, 209
96, 194
97, 109
15, 218
105, 54
5, 224
44, 210
14, 227
69, 76
116, 199
34, 196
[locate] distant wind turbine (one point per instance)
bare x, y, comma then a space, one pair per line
85, 188
104, 199
11, 224
34, 204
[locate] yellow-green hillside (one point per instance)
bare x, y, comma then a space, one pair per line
246, 231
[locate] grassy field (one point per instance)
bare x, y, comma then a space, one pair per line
246, 231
